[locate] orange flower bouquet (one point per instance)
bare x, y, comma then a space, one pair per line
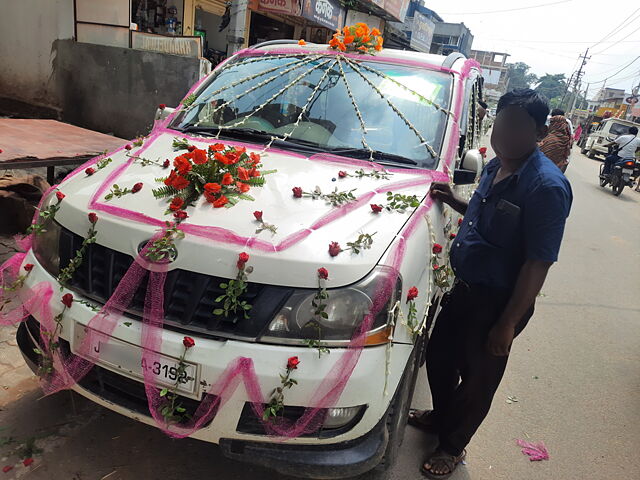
358, 38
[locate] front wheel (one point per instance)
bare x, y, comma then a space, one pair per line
398, 413
603, 181
617, 189
592, 153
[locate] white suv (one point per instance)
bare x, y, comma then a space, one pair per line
355, 142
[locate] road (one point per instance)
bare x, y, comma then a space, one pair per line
575, 371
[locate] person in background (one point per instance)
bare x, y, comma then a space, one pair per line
558, 111
627, 144
509, 238
577, 134
557, 144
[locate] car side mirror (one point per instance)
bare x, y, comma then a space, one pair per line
470, 168
162, 113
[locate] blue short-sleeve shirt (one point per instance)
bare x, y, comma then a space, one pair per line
520, 218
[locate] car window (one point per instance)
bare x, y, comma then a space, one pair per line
402, 110
618, 129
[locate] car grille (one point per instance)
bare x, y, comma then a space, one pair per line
189, 297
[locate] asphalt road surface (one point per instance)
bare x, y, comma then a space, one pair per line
575, 372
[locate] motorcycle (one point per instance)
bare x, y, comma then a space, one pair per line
624, 173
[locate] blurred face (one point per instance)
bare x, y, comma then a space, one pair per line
515, 133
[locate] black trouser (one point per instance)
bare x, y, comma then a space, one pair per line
463, 375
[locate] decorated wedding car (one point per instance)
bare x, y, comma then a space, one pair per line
261, 271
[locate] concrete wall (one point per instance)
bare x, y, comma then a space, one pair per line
28, 29
116, 90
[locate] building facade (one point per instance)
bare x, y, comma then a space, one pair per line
451, 37
495, 72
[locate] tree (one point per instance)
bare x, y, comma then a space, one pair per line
520, 77
552, 86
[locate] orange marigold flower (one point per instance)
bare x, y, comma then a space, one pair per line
346, 30
362, 48
380, 40
360, 32
375, 32
366, 39
349, 39
301, 42
342, 47
182, 164
378, 48
220, 202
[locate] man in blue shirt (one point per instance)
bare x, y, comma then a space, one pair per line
509, 238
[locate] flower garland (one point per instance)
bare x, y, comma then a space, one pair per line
50, 339
222, 174
48, 213
335, 198
363, 242
66, 273
234, 289
171, 410
276, 404
358, 38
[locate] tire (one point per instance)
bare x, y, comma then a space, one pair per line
583, 151
398, 412
617, 189
592, 153
603, 182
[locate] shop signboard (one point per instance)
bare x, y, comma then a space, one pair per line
286, 7
396, 8
421, 33
328, 13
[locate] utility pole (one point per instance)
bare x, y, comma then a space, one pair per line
578, 80
237, 26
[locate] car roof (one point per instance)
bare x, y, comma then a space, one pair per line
386, 53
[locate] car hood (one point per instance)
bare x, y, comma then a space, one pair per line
215, 236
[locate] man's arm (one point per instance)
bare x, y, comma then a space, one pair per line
443, 192
530, 280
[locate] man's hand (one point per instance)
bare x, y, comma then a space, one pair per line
443, 192
500, 339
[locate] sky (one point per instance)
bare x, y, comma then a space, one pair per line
550, 38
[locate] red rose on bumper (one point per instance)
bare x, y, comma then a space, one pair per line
28, 267
437, 248
412, 294
93, 218
293, 363
67, 300
60, 196
188, 342
323, 273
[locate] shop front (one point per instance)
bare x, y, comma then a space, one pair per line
312, 20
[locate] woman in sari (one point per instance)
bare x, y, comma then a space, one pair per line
557, 144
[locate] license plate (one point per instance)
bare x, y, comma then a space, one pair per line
117, 355
627, 170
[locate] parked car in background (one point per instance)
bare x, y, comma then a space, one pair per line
604, 134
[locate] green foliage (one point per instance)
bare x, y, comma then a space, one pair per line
552, 86
67, 272
231, 302
117, 192
400, 203
188, 101
179, 144
520, 77
363, 242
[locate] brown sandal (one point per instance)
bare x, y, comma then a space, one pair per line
422, 420
442, 459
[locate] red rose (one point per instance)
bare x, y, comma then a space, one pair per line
323, 273
180, 215
243, 187
220, 202
212, 187
376, 208
28, 267
413, 293
6, 468
60, 196
176, 204
436, 266
188, 342
292, 363
128, 147
162, 106
216, 147
254, 173
227, 179
452, 236
483, 151
255, 158
459, 221
200, 156
137, 187
27, 461
93, 218
437, 248
258, 215
166, 163
180, 183
191, 148
182, 164
334, 249
297, 192
243, 174
90, 171
242, 259
67, 300
342, 174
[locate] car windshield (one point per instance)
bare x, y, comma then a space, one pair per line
334, 103
618, 129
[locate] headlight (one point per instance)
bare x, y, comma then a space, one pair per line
346, 308
46, 246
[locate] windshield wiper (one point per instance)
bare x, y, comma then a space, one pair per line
376, 154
